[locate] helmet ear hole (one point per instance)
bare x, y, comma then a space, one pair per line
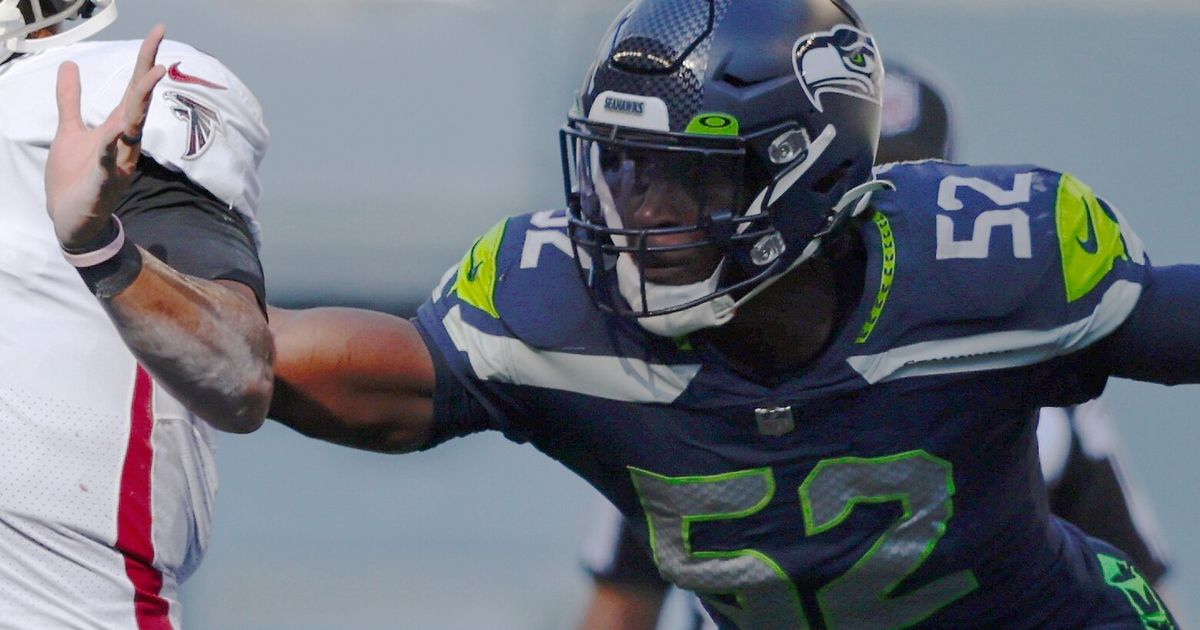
831, 179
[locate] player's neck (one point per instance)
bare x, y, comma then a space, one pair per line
783, 328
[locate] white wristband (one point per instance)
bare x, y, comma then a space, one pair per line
98, 256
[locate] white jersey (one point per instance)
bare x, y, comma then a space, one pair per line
106, 482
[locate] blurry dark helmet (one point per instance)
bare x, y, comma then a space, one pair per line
917, 123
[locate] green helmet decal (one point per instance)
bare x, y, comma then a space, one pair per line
713, 124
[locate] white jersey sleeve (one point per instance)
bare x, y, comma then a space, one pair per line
203, 121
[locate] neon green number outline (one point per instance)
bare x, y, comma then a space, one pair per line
693, 575
832, 597
860, 597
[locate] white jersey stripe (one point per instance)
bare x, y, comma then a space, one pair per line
998, 350
508, 360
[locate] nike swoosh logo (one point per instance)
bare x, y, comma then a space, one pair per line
1090, 245
179, 76
474, 269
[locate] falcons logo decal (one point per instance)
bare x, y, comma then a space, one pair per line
203, 122
843, 60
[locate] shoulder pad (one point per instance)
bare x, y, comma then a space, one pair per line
515, 311
995, 266
521, 275
203, 121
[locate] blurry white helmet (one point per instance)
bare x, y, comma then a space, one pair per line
21, 18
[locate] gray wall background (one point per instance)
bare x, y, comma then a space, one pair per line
401, 130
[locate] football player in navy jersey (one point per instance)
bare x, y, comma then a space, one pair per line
1077, 445
815, 382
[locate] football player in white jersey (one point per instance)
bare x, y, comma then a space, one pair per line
1078, 445
128, 313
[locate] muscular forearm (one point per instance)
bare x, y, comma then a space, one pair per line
203, 341
353, 377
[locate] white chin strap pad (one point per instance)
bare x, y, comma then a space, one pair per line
710, 314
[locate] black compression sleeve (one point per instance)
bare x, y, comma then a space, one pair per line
189, 229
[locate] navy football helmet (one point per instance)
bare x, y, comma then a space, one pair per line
765, 113
21, 18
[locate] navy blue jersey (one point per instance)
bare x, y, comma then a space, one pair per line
894, 480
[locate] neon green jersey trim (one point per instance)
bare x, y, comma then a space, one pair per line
1120, 574
476, 281
888, 242
1088, 237
713, 124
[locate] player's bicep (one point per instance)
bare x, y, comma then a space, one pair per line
1160, 340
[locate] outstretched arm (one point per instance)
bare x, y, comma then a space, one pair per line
205, 341
353, 377
1160, 342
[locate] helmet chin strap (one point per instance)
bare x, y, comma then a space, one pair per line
859, 197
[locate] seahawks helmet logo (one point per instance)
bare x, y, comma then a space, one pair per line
202, 120
843, 60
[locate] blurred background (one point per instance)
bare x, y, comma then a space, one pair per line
403, 129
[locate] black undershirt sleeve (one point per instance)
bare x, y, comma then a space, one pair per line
185, 226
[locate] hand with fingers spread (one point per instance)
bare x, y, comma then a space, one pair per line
89, 169
203, 338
